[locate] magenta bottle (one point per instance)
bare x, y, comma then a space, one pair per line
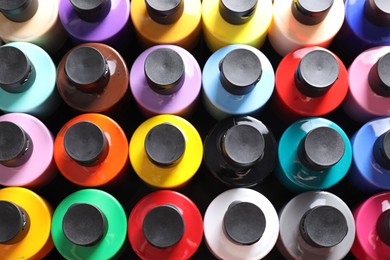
369, 85
165, 79
26, 151
105, 21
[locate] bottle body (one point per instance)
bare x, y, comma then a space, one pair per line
43, 29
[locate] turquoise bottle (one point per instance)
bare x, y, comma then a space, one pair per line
314, 154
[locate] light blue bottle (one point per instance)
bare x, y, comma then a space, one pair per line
313, 154
370, 169
27, 80
237, 80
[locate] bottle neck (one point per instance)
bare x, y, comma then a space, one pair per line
19, 10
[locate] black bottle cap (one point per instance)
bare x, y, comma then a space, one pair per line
243, 145
15, 69
164, 71
165, 145
378, 11
244, 223
383, 227
18, 10
163, 226
310, 12
379, 76
323, 226
165, 11
316, 73
14, 223
381, 150
86, 143
240, 70
15, 145
91, 10
87, 69
84, 224
321, 148
237, 12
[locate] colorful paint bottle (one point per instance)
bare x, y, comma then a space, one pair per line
314, 154
369, 85
241, 224
300, 23
237, 80
226, 22
89, 224
91, 150
26, 151
167, 22
93, 78
311, 81
370, 165
316, 225
27, 80
166, 151
366, 25
372, 228
165, 225
240, 151
105, 21
25, 222
34, 21
165, 79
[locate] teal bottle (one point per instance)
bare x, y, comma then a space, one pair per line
27, 80
89, 224
313, 154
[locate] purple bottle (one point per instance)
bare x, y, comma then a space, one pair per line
105, 21
165, 79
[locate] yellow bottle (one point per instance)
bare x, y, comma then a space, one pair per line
167, 22
228, 22
27, 221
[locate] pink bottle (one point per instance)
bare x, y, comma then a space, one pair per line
26, 151
369, 85
372, 217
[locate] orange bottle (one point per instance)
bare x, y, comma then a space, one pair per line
91, 150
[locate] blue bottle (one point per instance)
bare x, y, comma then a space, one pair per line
370, 169
314, 154
237, 80
27, 80
366, 24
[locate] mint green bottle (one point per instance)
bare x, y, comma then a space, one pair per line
89, 224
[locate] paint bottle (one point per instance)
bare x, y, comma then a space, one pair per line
314, 154
370, 165
372, 228
237, 80
301, 23
240, 151
316, 225
105, 21
366, 25
89, 224
34, 21
165, 79
167, 22
166, 151
311, 81
369, 83
227, 22
27, 80
26, 151
93, 78
25, 222
91, 150
165, 225
240, 223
